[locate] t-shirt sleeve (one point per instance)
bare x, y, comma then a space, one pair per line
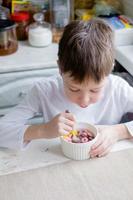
14, 124
126, 96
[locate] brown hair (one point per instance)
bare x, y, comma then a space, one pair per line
86, 50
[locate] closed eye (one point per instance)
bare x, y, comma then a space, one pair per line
94, 91
74, 90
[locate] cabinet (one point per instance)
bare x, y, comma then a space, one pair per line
19, 71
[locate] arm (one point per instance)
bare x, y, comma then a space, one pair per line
122, 131
60, 124
109, 135
16, 133
15, 123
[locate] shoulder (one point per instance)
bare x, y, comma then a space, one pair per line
117, 86
48, 84
117, 83
116, 80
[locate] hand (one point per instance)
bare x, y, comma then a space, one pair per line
108, 136
59, 125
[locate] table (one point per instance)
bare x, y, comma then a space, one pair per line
107, 178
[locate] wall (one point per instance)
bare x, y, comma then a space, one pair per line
128, 7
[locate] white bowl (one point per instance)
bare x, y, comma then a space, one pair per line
79, 151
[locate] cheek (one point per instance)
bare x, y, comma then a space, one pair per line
69, 94
96, 97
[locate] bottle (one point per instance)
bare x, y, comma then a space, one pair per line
22, 20
61, 14
4, 12
39, 34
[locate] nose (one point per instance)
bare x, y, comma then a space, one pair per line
84, 100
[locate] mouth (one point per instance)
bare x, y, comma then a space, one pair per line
83, 106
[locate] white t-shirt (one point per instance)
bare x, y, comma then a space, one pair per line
47, 97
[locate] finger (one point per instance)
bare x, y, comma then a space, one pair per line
65, 129
69, 122
97, 142
63, 132
70, 116
104, 153
100, 149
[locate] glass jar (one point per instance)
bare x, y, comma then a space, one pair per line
61, 14
8, 38
39, 34
22, 20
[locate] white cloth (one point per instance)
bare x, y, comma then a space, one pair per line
47, 97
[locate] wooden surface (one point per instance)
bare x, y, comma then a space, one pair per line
107, 178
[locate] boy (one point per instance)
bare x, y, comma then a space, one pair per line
84, 87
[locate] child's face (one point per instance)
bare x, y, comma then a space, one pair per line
83, 94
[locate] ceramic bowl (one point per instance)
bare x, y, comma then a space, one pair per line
79, 151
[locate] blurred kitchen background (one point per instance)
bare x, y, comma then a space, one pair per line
59, 12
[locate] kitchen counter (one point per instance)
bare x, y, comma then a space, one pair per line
124, 48
29, 58
124, 55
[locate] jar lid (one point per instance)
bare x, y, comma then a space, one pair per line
20, 16
6, 24
39, 17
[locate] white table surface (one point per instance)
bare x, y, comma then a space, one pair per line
29, 58
41, 153
107, 178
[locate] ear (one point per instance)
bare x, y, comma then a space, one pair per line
60, 72
58, 63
